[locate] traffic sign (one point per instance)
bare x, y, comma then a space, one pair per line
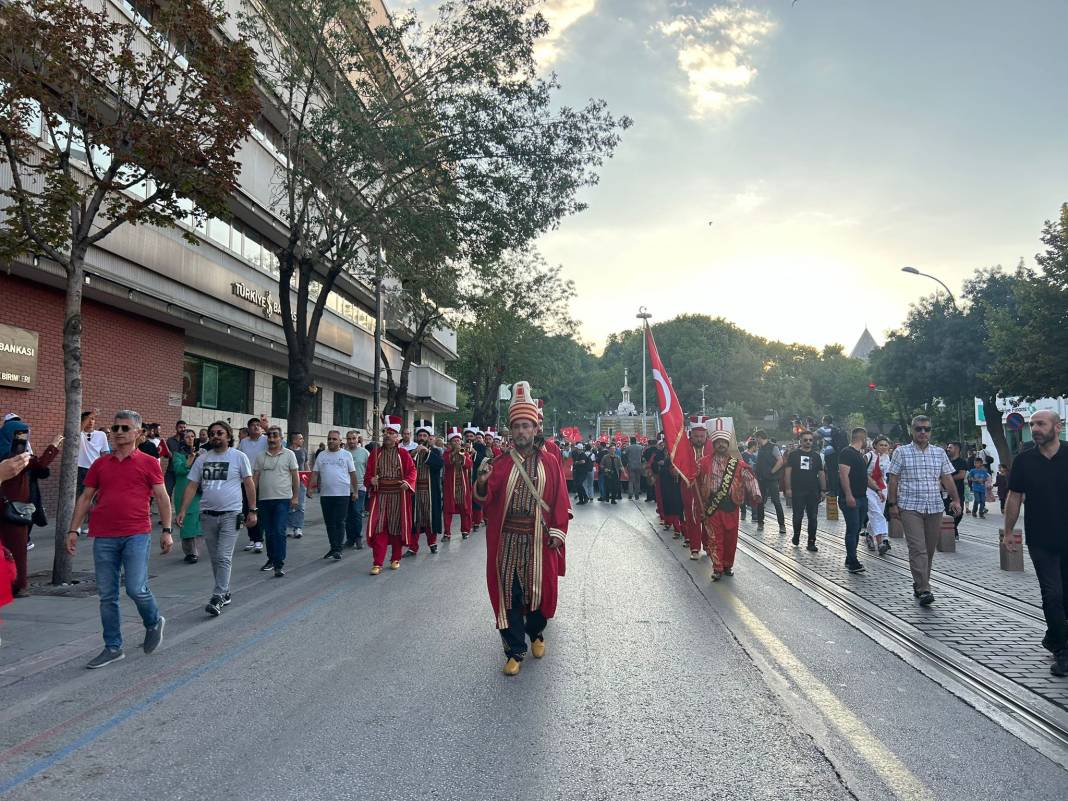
1014, 421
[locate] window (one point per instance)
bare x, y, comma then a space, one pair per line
219, 230
208, 384
280, 401
349, 412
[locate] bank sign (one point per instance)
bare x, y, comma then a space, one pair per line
18, 357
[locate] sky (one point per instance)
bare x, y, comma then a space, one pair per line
787, 159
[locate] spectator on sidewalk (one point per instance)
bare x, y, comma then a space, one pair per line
252, 446
334, 475
919, 472
277, 479
1001, 483
749, 456
122, 484
978, 477
634, 454
581, 467
354, 518
806, 484
769, 463
1038, 481
184, 456
92, 444
173, 444
296, 516
15, 492
224, 476
878, 465
853, 494
960, 475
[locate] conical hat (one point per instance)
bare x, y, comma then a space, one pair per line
523, 406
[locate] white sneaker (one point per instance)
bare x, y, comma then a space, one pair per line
250, 546
258, 547
298, 533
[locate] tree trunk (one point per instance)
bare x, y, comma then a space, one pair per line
62, 562
300, 399
996, 429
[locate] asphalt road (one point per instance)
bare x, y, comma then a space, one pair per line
332, 684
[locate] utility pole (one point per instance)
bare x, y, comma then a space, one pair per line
376, 401
644, 316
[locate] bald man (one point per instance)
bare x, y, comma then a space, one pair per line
1039, 480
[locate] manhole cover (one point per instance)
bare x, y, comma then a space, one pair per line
82, 584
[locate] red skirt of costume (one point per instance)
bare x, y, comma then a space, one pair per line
393, 493
457, 482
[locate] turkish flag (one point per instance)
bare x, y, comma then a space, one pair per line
671, 417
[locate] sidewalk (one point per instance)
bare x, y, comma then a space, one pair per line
54, 625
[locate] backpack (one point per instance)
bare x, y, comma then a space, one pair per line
839, 441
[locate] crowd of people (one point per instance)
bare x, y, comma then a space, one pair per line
210, 485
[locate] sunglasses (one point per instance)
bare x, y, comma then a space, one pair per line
921, 429
115, 429
217, 433
274, 434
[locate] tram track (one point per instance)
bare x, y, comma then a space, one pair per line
1039, 722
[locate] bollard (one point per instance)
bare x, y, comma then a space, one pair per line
947, 537
1011, 560
832, 507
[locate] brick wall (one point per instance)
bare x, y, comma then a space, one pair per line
128, 362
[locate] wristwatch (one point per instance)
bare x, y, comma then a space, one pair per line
252, 511
891, 503
167, 529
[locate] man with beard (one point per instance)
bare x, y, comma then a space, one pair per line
390, 481
457, 484
527, 512
692, 514
426, 512
725, 483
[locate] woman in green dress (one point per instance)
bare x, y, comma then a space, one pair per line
183, 461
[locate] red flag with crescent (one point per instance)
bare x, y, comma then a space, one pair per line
671, 418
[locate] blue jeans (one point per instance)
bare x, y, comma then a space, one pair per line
354, 519
130, 555
272, 518
588, 482
853, 518
296, 517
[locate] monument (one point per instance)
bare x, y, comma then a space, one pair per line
627, 419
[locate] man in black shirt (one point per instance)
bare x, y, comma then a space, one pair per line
1039, 479
960, 471
806, 484
768, 464
853, 494
581, 465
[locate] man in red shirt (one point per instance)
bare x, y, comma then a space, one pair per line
123, 484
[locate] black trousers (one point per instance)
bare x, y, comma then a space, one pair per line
806, 503
521, 624
580, 487
769, 489
335, 511
254, 533
1051, 567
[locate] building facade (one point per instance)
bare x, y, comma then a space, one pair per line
177, 331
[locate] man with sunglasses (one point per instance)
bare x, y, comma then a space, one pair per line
221, 473
918, 473
123, 483
806, 484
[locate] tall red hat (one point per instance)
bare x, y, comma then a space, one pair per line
392, 422
523, 406
454, 432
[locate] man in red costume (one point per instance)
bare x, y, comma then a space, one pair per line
527, 509
390, 481
692, 513
725, 483
456, 487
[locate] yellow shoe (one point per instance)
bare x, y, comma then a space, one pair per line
395, 565
376, 570
537, 648
511, 667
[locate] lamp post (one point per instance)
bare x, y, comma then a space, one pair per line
644, 316
953, 300
376, 403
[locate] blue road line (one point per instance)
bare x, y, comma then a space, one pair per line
93, 734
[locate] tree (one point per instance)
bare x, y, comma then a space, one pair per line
440, 143
139, 124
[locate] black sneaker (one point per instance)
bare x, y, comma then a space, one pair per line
728, 571
926, 598
154, 636
105, 657
796, 540
884, 548
227, 599
190, 558
856, 567
464, 536
433, 549
278, 572
214, 607
1060, 663
812, 548
267, 566
359, 545
336, 555
329, 554
408, 553
760, 526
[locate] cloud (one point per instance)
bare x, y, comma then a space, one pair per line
715, 53
561, 15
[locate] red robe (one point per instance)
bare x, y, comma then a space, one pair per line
454, 475
408, 476
549, 562
693, 514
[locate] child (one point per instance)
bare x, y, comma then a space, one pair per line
977, 478
1002, 484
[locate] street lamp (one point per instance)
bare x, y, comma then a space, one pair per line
953, 300
644, 316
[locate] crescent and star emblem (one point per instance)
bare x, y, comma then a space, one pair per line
665, 391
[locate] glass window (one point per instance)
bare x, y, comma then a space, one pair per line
208, 384
280, 401
219, 231
349, 412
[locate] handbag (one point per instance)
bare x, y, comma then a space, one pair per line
18, 513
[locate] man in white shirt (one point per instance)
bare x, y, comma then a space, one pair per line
334, 475
252, 446
407, 442
92, 444
223, 475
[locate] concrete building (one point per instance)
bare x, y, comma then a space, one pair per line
177, 331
